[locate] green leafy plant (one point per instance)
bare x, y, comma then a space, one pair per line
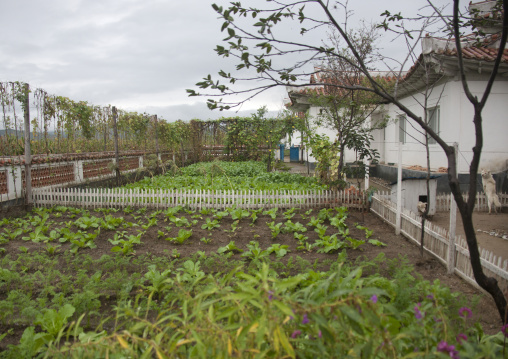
327, 244
254, 252
172, 211
325, 213
82, 240
368, 232
274, 228
206, 240
12, 234
272, 212
320, 229
238, 214
210, 224
111, 223
278, 249
183, 235
157, 280
54, 235
230, 247
234, 227
313, 222
254, 215
52, 321
306, 214
377, 243
290, 227
289, 213
151, 223
191, 271
125, 246
207, 211
182, 222
339, 222
355, 243
52, 249
221, 214
36, 236
128, 210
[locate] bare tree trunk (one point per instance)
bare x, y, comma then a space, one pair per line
490, 284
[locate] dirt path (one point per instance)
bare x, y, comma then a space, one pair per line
490, 230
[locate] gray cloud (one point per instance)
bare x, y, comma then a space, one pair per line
139, 55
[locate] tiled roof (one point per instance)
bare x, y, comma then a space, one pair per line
485, 53
477, 53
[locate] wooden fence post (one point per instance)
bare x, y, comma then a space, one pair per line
28, 151
399, 193
117, 155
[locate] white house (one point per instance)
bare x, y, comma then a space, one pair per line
446, 108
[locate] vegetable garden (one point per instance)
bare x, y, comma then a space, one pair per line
237, 283
209, 282
179, 282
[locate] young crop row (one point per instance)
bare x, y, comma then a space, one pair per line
182, 283
249, 175
80, 229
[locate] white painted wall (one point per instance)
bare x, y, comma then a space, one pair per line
456, 116
332, 135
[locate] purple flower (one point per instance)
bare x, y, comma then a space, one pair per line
320, 334
461, 338
305, 319
418, 313
504, 330
374, 298
430, 296
450, 349
465, 312
270, 295
295, 334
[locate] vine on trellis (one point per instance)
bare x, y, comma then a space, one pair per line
60, 125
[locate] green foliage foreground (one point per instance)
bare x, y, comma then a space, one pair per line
174, 309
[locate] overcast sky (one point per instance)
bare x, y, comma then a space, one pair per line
138, 55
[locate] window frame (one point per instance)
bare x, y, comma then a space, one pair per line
402, 119
434, 122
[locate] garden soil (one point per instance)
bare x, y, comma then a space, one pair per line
396, 247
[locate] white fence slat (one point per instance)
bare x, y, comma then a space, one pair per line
436, 242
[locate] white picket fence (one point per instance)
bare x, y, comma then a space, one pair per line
195, 199
443, 201
436, 242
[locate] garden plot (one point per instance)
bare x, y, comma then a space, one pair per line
183, 283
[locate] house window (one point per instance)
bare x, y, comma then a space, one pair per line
433, 121
402, 128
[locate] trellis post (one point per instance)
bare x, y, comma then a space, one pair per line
117, 155
156, 142
28, 151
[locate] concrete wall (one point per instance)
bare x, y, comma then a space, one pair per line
412, 190
389, 174
66, 173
